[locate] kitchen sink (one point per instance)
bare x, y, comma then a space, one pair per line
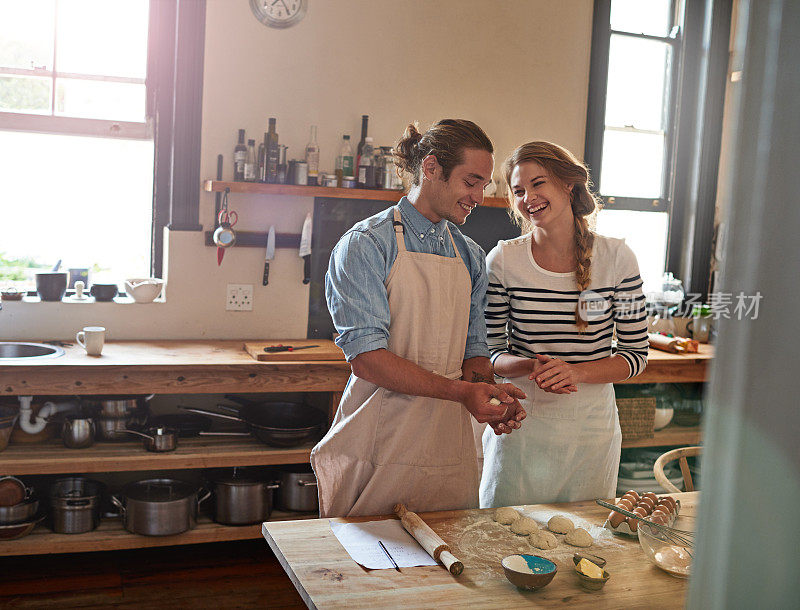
15, 350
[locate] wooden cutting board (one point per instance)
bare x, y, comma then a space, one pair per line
327, 350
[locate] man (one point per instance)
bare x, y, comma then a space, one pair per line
407, 293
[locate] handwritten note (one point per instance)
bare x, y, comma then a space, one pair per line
360, 540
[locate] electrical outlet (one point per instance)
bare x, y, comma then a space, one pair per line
239, 297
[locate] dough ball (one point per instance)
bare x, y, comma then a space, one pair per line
506, 515
560, 525
543, 540
579, 537
524, 526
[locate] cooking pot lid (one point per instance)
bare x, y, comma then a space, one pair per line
159, 490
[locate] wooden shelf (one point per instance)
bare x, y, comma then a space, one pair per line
671, 435
321, 191
111, 535
202, 452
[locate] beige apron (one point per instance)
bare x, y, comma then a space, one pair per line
385, 447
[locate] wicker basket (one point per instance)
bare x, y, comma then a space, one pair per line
636, 417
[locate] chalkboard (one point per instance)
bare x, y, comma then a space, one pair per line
333, 217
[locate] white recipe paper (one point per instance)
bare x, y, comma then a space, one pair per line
361, 541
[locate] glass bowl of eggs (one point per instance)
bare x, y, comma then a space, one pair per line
665, 551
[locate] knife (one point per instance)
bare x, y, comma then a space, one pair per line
305, 248
270, 254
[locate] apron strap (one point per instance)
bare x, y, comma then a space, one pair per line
399, 231
453, 241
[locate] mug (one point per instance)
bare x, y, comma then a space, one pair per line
92, 338
699, 328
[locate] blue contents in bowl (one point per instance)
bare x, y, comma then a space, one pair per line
539, 565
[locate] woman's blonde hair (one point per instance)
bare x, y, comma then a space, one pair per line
567, 169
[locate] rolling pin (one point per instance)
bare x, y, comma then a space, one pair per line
423, 534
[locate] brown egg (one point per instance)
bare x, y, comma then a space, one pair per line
659, 518
648, 503
657, 512
652, 496
632, 523
615, 518
626, 503
671, 501
665, 507
641, 511
632, 493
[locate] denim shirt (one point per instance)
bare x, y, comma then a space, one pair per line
360, 263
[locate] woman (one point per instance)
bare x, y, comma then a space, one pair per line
556, 295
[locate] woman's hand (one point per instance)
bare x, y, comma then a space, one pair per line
554, 375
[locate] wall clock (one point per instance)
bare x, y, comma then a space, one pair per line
279, 13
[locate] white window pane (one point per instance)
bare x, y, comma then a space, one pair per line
632, 164
86, 201
29, 94
100, 100
26, 33
641, 16
646, 234
637, 78
103, 37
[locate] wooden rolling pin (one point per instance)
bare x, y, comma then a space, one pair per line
423, 534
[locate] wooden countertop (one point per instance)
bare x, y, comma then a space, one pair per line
177, 367
326, 576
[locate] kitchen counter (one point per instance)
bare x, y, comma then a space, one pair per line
326, 576
192, 367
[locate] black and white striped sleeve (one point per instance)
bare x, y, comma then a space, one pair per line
497, 306
630, 316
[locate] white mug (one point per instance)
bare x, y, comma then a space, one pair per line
92, 338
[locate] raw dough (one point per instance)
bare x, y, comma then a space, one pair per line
560, 524
579, 537
543, 540
524, 526
506, 515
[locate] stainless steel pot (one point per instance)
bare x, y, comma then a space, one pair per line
19, 513
75, 505
160, 507
77, 431
298, 489
112, 428
158, 440
241, 495
122, 406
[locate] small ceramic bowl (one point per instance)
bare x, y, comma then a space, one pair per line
103, 292
144, 290
588, 582
529, 572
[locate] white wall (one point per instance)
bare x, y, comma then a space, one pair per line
519, 68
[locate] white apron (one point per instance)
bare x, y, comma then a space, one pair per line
385, 447
567, 449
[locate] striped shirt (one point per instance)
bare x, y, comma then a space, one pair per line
532, 310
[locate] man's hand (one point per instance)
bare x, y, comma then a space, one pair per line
503, 414
554, 375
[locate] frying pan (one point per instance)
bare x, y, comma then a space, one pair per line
279, 424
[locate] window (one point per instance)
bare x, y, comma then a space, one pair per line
95, 159
633, 168
654, 124
75, 144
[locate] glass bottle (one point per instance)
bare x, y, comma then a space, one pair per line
362, 141
344, 160
366, 167
250, 162
262, 160
312, 157
239, 157
273, 152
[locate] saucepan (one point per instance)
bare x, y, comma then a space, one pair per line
279, 424
158, 440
